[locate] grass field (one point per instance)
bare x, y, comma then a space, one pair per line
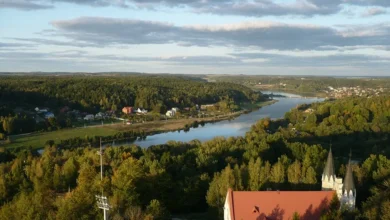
38, 140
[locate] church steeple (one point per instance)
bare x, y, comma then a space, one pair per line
329, 173
348, 197
349, 185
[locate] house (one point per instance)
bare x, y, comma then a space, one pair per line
89, 117
127, 110
309, 110
100, 115
41, 110
170, 113
259, 205
141, 111
49, 115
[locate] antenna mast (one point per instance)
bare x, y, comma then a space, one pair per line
102, 200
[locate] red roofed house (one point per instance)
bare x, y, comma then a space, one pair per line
278, 205
127, 110
275, 205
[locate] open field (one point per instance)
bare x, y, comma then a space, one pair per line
38, 140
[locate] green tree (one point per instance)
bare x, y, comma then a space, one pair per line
310, 176
157, 210
294, 173
277, 173
69, 171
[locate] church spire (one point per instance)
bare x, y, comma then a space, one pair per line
349, 185
329, 167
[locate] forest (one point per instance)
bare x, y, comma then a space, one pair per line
303, 84
20, 95
177, 178
104, 92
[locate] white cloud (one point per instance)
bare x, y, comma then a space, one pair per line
374, 11
101, 31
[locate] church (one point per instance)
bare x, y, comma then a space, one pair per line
278, 205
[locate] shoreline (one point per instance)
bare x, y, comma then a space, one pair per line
303, 94
38, 140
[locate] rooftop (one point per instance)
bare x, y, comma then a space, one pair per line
262, 205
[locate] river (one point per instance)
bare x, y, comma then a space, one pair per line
236, 127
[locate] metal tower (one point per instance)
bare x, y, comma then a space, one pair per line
101, 200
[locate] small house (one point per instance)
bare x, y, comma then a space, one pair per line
309, 110
41, 110
127, 110
89, 117
170, 113
49, 115
100, 115
141, 111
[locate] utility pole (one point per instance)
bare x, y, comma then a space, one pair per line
102, 200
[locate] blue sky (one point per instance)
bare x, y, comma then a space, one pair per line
297, 37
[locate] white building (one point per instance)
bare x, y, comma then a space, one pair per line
346, 191
89, 117
41, 110
170, 113
141, 111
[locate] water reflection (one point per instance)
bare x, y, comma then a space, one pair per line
236, 127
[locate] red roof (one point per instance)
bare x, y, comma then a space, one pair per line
277, 205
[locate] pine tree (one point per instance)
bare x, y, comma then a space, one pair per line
310, 177
294, 172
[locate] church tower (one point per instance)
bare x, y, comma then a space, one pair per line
328, 176
348, 197
329, 179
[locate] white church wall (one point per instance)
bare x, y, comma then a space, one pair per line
226, 209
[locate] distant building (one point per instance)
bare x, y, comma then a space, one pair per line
41, 110
309, 110
100, 115
49, 115
89, 117
141, 111
127, 110
170, 113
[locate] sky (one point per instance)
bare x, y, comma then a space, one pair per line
267, 37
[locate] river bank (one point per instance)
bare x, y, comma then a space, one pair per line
296, 92
38, 140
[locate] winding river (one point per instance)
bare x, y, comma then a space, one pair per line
236, 127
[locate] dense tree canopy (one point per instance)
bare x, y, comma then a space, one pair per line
177, 178
113, 92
